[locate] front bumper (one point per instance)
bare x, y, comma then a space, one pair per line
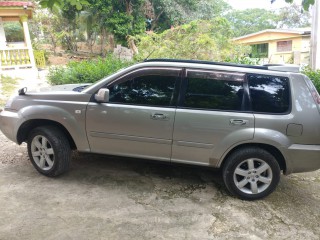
303, 158
9, 121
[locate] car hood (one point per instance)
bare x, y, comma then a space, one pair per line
78, 87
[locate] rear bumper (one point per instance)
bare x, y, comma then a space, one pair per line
303, 158
8, 124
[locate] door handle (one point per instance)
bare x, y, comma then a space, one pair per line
238, 122
159, 116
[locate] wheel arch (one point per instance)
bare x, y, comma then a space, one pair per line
27, 126
271, 149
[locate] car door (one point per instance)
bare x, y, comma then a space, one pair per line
138, 119
211, 117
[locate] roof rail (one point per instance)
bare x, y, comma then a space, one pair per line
283, 67
273, 67
205, 62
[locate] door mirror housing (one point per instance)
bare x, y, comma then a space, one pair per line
102, 96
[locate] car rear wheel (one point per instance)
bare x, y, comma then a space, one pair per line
49, 150
251, 173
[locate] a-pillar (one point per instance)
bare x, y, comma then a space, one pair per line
27, 39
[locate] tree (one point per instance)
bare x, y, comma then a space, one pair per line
293, 16
120, 18
251, 20
78, 4
305, 3
202, 39
167, 13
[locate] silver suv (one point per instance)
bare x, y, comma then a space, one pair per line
251, 121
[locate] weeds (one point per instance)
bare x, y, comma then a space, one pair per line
7, 87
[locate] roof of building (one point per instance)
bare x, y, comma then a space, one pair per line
15, 4
299, 31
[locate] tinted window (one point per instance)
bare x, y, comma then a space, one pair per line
213, 91
269, 94
145, 90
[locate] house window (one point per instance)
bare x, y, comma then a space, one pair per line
259, 50
284, 46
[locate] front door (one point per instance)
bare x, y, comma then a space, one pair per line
138, 119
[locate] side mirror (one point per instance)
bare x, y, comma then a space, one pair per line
102, 96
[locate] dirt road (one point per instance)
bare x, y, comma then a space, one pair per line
115, 198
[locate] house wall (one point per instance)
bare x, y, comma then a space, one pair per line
300, 53
288, 56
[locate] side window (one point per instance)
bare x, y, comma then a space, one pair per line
269, 94
214, 90
154, 90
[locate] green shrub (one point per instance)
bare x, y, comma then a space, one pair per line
314, 75
88, 71
14, 31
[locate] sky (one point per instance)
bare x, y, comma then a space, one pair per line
265, 4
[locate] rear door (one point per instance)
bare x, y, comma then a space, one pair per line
212, 116
138, 119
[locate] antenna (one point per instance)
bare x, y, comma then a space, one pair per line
149, 55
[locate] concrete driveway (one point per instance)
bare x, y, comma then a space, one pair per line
116, 198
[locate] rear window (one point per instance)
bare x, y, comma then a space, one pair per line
269, 94
214, 90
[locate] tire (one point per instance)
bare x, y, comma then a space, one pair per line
251, 173
49, 150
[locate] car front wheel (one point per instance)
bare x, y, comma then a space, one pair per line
49, 150
251, 173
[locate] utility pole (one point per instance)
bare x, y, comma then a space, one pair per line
315, 37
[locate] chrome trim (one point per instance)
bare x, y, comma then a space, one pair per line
194, 144
130, 138
305, 147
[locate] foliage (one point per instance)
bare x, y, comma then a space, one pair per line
305, 3
254, 20
120, 18
314, 75
243, 60
293, 16
8, 85
251, 20
167, 13
203, 40
13, 31
88, 71
78, 4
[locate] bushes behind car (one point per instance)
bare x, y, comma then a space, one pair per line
87, 71
314, 75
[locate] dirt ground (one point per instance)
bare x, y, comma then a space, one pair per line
116, 198
62, 57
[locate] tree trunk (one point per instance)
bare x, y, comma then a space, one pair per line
154, 22
103, 38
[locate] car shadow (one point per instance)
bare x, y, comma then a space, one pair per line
141, 175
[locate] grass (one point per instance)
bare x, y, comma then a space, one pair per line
7, 87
